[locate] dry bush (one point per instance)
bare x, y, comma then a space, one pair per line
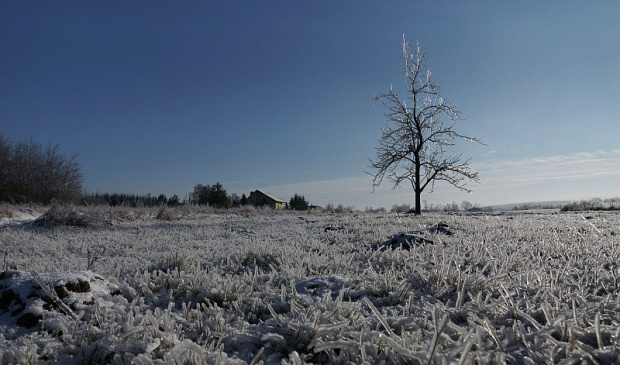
129, 214
6, 211
71, 215
33, 173
191, 209
340, 209
166, 213
245, 210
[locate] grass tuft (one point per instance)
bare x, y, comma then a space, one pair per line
71, 215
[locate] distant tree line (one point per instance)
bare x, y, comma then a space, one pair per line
130, 200
375, 210
592, 204
210, 195
339, 209
31, 173
530, 206
465, 206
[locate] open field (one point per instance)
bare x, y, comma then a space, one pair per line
272, 287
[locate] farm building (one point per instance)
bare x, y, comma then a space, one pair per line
259, 198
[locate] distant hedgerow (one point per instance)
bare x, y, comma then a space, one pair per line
592, 204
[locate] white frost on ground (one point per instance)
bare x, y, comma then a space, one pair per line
278, 288
20, 215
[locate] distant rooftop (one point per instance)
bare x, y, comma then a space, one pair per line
271, 196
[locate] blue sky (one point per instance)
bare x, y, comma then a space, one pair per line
156, 97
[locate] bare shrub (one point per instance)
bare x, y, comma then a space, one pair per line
245, 210
125, 213
122, 214
70, 215
403, 208
6, 211
192, 209
340, 209
165, 214
31, 173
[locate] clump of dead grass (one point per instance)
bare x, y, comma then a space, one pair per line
165, 214
6, 211
70, 215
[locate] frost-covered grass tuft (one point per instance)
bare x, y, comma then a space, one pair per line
70, 215
6, 211
268, 287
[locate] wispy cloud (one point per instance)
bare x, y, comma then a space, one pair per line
562, 177
577, 166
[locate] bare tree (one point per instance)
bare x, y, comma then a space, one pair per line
466, 205
418, 148
31, 173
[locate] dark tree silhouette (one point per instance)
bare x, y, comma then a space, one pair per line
214, 196
31, 173
298, 202
417, 148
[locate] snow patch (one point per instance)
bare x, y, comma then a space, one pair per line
30, 301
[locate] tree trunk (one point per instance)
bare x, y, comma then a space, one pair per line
416, 184
418, 209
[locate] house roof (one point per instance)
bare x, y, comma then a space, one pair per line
271, 196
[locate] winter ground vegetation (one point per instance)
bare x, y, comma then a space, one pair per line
181, 285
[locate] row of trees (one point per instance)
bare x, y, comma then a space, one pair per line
31, 173
131, 200
592, 204
465, 206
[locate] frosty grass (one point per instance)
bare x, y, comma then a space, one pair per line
268, 287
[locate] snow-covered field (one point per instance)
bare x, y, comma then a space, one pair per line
536, 287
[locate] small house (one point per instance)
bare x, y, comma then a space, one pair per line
260, 198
